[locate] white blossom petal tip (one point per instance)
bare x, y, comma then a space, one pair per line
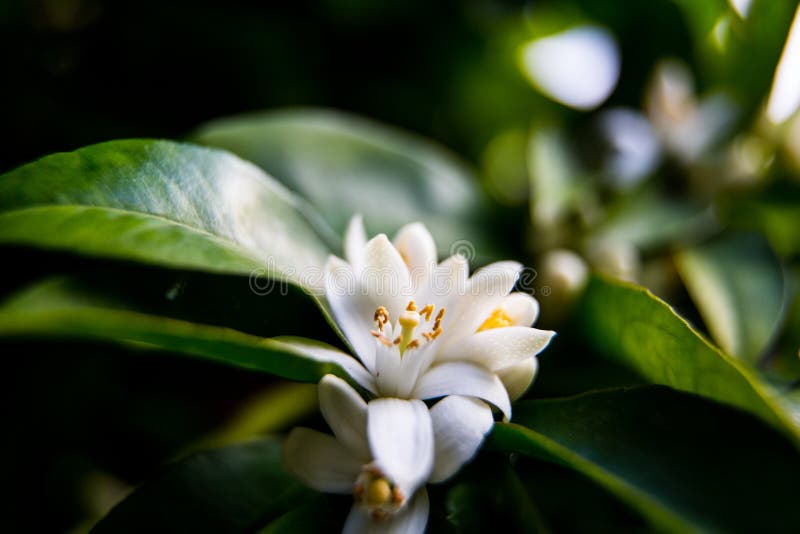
459, 426
400, 435
518, 377
417, 248
346, 413
320, 461
355, 239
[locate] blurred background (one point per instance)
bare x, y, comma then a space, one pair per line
604, 134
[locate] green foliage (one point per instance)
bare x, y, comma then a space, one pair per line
163, 203
644, 445
635, 328
344, 164
64, 308
235, 489
737, 283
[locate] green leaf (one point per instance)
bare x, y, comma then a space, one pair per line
728, 45
164, 203
489, 498
648, 220
64, 308
235, 489
345, 164
637, 329
268, 412
685, 464
320, 513
775, 213
737, 284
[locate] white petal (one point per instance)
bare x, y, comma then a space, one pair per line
416, 246
386, 277
498, 347
459, 426
518, 377
401, 439
321, 352
447, 283
414, 363
409, 520
352, 308
485, 291
387, 370
320, 461
359, 521
463, 378
346, 413
355, 239
521, 308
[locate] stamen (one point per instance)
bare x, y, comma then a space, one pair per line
427, 311
438, 321
413, 344
381, 317
358, 492
381, 338
379, 515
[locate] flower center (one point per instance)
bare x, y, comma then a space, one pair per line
498, 319
377, 494
409, 321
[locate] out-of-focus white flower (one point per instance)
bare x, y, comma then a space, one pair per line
423, 329
384, 452
688, 127
617, 258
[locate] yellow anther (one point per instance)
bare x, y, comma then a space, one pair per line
379, 492
498, 319
438, 321
411, 306
413, 344
427, 311
437, 332
381, 317
380, 337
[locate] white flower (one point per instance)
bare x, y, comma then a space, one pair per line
383, 453
467, 339
423, 329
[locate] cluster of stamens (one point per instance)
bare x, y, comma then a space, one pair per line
409, 320
373, 491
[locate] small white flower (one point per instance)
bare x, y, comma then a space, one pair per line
467, 339
383, 453
423, 329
